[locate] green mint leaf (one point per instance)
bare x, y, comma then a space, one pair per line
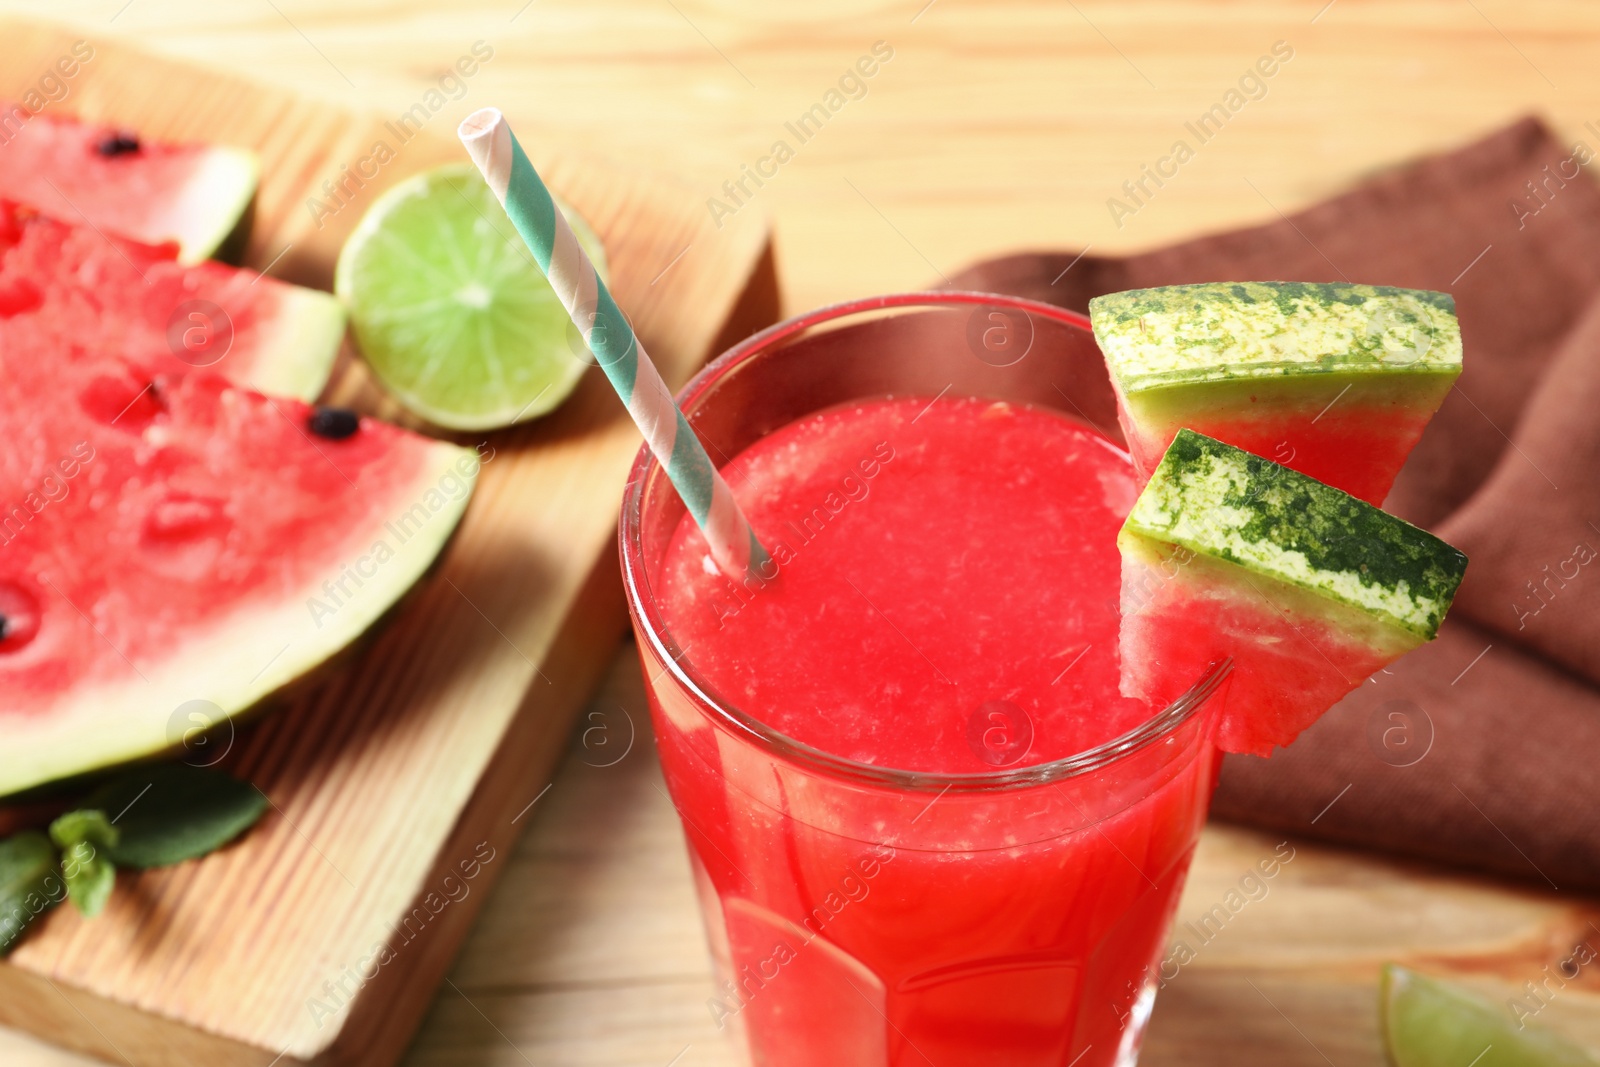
84, 838
166, 813
90, 877
29, 884
87, 826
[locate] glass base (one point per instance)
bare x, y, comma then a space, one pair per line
1138, 1020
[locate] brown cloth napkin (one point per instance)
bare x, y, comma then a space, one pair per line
1480, 749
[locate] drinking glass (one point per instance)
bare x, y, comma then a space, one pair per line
863, 916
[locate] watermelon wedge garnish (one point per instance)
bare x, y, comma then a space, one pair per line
1334, 380
69, 288
118, 182
1306, 588
181, 539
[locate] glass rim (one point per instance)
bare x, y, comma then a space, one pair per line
645, 607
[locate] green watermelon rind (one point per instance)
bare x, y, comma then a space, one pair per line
226, 666
1224, 503
1186, 335
1318, 624
205, 217
299, 356
1309, 391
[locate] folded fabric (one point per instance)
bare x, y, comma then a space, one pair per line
1474, 750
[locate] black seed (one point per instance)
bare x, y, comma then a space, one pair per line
333, 423
118, 144
5, 627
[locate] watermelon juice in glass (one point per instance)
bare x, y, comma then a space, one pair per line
925, 826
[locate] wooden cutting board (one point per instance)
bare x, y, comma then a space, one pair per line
399, 778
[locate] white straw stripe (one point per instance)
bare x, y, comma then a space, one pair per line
573, 278
653, 410
488, 141
725, 518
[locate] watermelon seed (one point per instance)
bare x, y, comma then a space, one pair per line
333, 423
118, 144
19, 616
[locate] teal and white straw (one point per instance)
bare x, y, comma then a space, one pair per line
505, 165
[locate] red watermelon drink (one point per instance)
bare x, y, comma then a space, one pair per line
926, 827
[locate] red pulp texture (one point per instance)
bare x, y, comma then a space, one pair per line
138, 513
57, 165
932, 563
68, 288
1357, 448
955, 593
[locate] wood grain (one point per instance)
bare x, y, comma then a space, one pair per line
396, 777
999, 125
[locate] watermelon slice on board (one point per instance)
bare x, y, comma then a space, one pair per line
1337, 381
112, 179
72, 288
1306, 588
180, 539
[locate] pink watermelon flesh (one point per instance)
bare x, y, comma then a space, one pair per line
1358, 447
1306, 589
172, 539
70, 287
110, 178
1291, 662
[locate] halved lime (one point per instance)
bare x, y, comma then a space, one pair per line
1429, 1023
451, 310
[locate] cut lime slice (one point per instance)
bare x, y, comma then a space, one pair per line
1429, 1023
450, 309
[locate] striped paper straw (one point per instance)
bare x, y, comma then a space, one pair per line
495, 150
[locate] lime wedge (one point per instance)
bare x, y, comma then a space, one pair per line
451, 310
1429, 1023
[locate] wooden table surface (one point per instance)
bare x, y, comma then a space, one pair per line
990, 127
